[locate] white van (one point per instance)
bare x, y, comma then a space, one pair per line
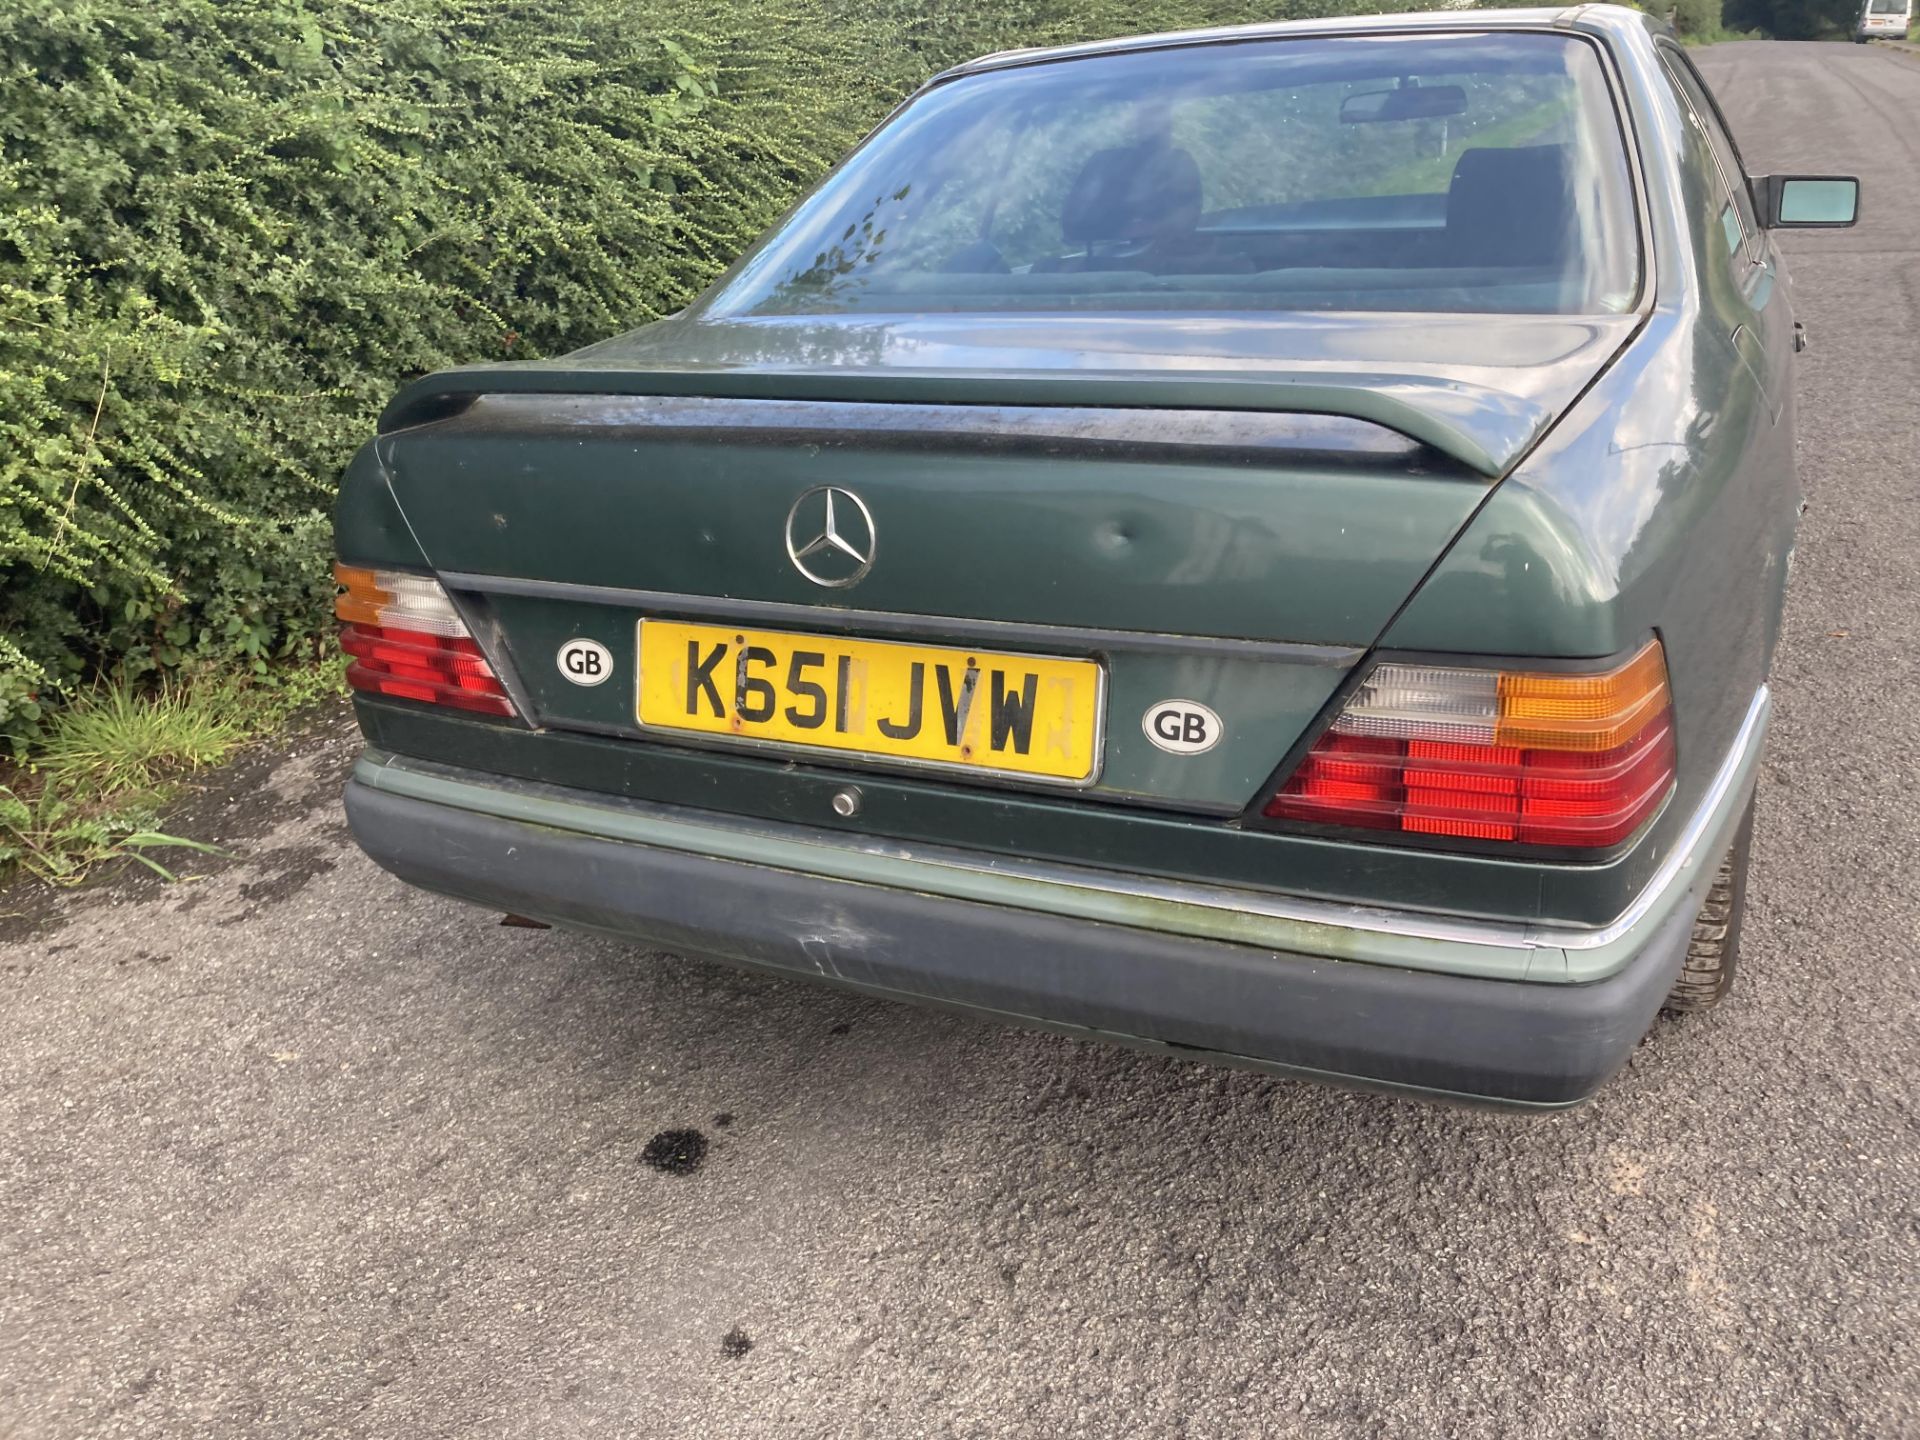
1883, 20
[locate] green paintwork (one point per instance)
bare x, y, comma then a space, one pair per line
1271, 702
1314, 550
1158, 539
1584, 483
368, 528
1668, 501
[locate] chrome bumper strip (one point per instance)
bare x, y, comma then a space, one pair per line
650, 823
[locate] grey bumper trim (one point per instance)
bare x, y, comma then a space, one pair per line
1413, 939
1503, 1042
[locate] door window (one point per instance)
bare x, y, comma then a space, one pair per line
1737, 219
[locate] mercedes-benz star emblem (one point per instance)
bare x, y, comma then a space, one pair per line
830, 536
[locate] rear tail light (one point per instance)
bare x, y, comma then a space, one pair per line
1536, 758
408, 641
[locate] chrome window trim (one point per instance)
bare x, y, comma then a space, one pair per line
928, 629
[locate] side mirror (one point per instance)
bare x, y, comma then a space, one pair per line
1809, 202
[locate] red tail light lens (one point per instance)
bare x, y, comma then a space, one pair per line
1535, 758
407, 641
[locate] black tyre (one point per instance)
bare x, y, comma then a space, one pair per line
1715, 949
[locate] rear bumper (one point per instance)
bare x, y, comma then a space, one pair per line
1293, 1001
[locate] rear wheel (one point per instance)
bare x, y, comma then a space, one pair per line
1715, 947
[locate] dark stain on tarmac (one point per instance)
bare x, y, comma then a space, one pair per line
735, 1343
675, 1152
290, 869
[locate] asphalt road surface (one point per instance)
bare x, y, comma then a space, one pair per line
296, 1151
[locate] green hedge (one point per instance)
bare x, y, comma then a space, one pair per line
1795, 19
230, 228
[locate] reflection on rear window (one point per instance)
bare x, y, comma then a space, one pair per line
1421, 173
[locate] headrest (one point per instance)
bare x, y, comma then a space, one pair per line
1132, 192
1511, 207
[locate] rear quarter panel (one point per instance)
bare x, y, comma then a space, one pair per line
1664, 501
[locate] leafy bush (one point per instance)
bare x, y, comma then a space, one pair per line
1696, 18
230, 228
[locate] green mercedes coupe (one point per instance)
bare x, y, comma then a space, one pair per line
1264, 543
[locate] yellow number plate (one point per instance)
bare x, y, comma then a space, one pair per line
976, 710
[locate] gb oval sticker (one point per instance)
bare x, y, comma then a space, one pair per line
1182, 727
585, 662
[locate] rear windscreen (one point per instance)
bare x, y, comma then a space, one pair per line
1411, 173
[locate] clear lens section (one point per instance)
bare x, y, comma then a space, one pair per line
418, 603
395, 598
1427, 702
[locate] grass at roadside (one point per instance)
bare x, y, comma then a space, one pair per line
100, 774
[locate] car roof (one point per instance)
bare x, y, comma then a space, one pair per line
1591, 18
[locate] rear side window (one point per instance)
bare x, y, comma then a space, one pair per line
1407, 173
